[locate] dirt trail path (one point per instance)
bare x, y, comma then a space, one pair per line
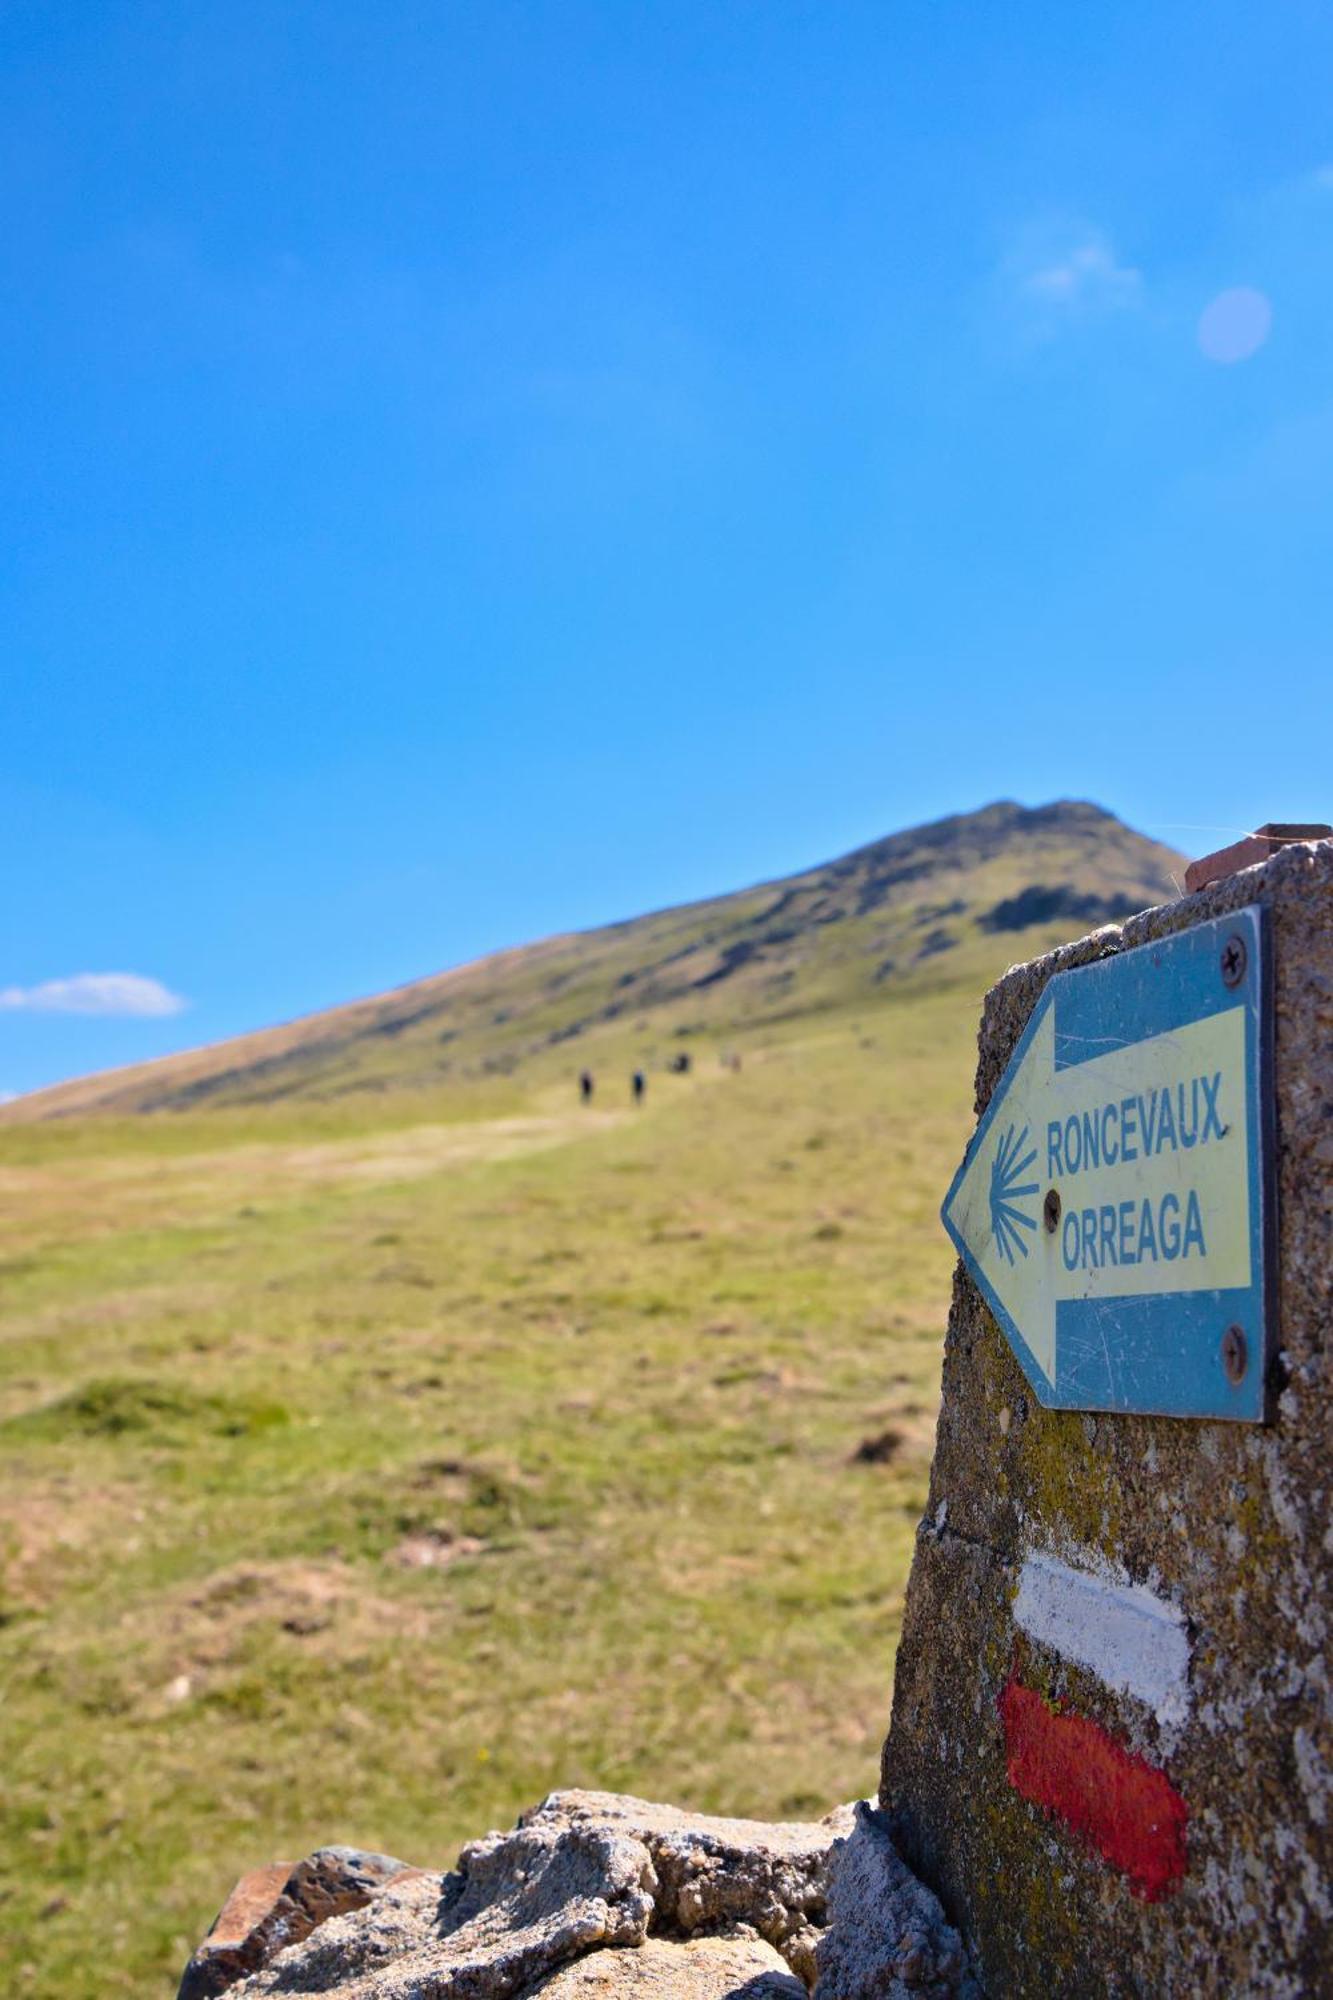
71, 1194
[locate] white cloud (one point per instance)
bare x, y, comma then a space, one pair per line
1084, 275
107, 993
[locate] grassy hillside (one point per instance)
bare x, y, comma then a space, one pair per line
939, 903
385, 1438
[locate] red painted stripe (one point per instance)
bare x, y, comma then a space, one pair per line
1124, 1807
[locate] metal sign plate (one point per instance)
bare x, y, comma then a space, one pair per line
1114, 1204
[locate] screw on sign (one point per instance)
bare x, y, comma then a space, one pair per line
1235, 1355
1235, 959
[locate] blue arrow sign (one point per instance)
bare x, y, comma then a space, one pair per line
1113, 1207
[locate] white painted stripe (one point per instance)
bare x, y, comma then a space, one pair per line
1124, 1633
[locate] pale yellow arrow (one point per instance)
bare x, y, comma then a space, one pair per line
1199, 1192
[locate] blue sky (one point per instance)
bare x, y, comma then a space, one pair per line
479, 469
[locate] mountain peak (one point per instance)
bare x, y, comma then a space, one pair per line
921, 907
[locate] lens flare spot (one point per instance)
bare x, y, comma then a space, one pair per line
1235, 325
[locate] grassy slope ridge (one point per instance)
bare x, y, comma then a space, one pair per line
386, 1439
891, 912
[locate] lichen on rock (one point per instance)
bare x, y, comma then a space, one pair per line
274, 1907
887, 1936
701, 1968
590, 1893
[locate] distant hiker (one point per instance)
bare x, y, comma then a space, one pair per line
585, 1085
680, 1064
638, 1084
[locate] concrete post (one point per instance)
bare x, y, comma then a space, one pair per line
1111, 1751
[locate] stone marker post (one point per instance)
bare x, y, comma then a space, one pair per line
1112, 1742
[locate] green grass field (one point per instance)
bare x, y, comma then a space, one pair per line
387, 1439
364, 1482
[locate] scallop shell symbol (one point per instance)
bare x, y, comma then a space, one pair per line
1007, 1187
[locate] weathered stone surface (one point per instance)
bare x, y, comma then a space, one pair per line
581, 1873
273, 1907
519, 1905
669, 1969
713, 1872
887, 1936
1225, 1525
